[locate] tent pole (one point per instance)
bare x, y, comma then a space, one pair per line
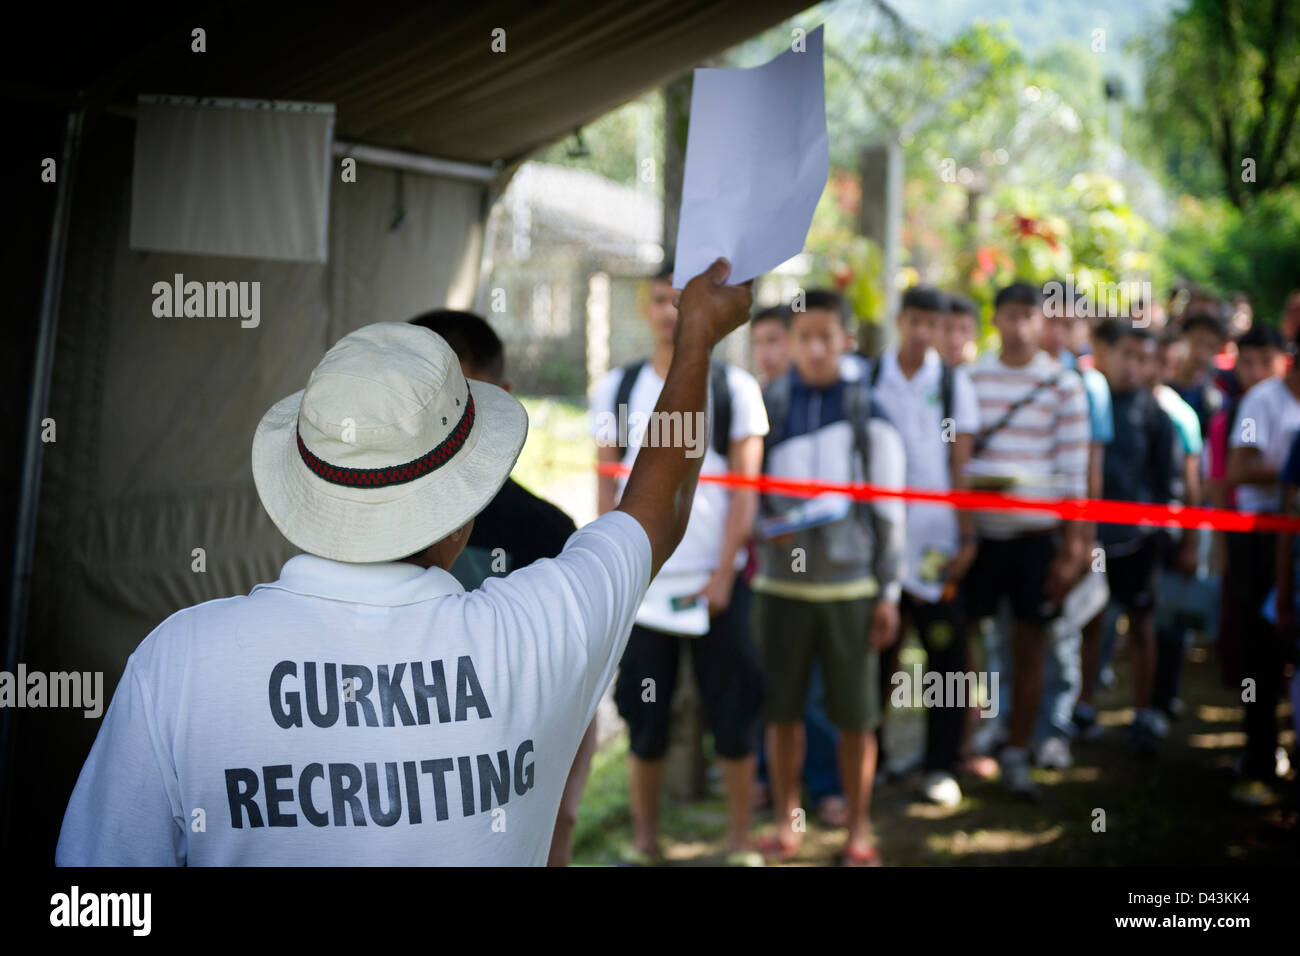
416, 163
33, 451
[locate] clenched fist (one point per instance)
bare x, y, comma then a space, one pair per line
709, 308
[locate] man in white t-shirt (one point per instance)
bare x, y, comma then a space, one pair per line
699, 598
934, 408
364, 709
1268, 419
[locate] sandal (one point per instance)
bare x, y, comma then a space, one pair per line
773, 847
864, 856
833, 813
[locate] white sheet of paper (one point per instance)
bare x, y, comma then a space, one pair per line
757, 160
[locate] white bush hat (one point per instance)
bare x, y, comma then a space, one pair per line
387, 450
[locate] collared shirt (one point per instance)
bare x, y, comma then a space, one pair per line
915, 406
361, 714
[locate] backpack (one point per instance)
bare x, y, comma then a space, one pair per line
721, 394
859, 408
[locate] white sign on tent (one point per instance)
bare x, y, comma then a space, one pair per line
245, 178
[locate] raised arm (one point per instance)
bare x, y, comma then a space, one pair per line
661, 487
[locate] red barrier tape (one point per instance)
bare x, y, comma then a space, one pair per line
1068, 509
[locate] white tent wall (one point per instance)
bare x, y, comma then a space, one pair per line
155, 418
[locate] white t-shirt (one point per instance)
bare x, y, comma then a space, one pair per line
361, 714
697, 556
915, 407
1267, 419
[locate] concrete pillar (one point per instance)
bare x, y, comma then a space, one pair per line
881, 221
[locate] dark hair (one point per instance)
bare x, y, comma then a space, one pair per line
1109, 331
1018, 293
925, 298
470, 337
1260, 336
780, 313
828, 300
1130, 331
1201, 319
958, 303
663, 275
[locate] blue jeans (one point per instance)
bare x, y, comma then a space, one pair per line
1062, 673
1062, 681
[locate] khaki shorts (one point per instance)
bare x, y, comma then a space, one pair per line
791, 634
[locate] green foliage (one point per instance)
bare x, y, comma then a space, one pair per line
1256, 250
1223, 88
616, 143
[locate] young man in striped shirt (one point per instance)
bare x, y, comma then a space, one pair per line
1033, 442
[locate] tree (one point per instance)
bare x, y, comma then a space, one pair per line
1223, 94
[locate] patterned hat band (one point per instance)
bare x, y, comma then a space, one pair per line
394, 474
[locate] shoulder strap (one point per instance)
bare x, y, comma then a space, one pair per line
982, 439
776, 399
721, 407
624, 393
858, 406
945, 389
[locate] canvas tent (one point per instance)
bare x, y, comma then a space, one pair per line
154, 416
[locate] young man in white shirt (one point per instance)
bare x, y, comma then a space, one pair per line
1267, 422
364, 709
933, 406
699, 599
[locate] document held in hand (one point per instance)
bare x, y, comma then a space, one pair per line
757, 161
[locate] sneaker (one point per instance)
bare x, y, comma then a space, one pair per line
1139, 736
1054, 752
1158, 724
1015, 773
1085, 720
943, 789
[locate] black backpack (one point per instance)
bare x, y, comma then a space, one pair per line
721, 393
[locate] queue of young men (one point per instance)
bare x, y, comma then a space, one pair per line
1064, 408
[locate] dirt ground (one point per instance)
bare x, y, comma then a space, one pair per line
1171, 810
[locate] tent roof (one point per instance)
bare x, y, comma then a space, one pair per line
414, 76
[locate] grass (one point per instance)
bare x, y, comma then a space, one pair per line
1173, 810
559, 446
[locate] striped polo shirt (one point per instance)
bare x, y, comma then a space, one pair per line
1044, 446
